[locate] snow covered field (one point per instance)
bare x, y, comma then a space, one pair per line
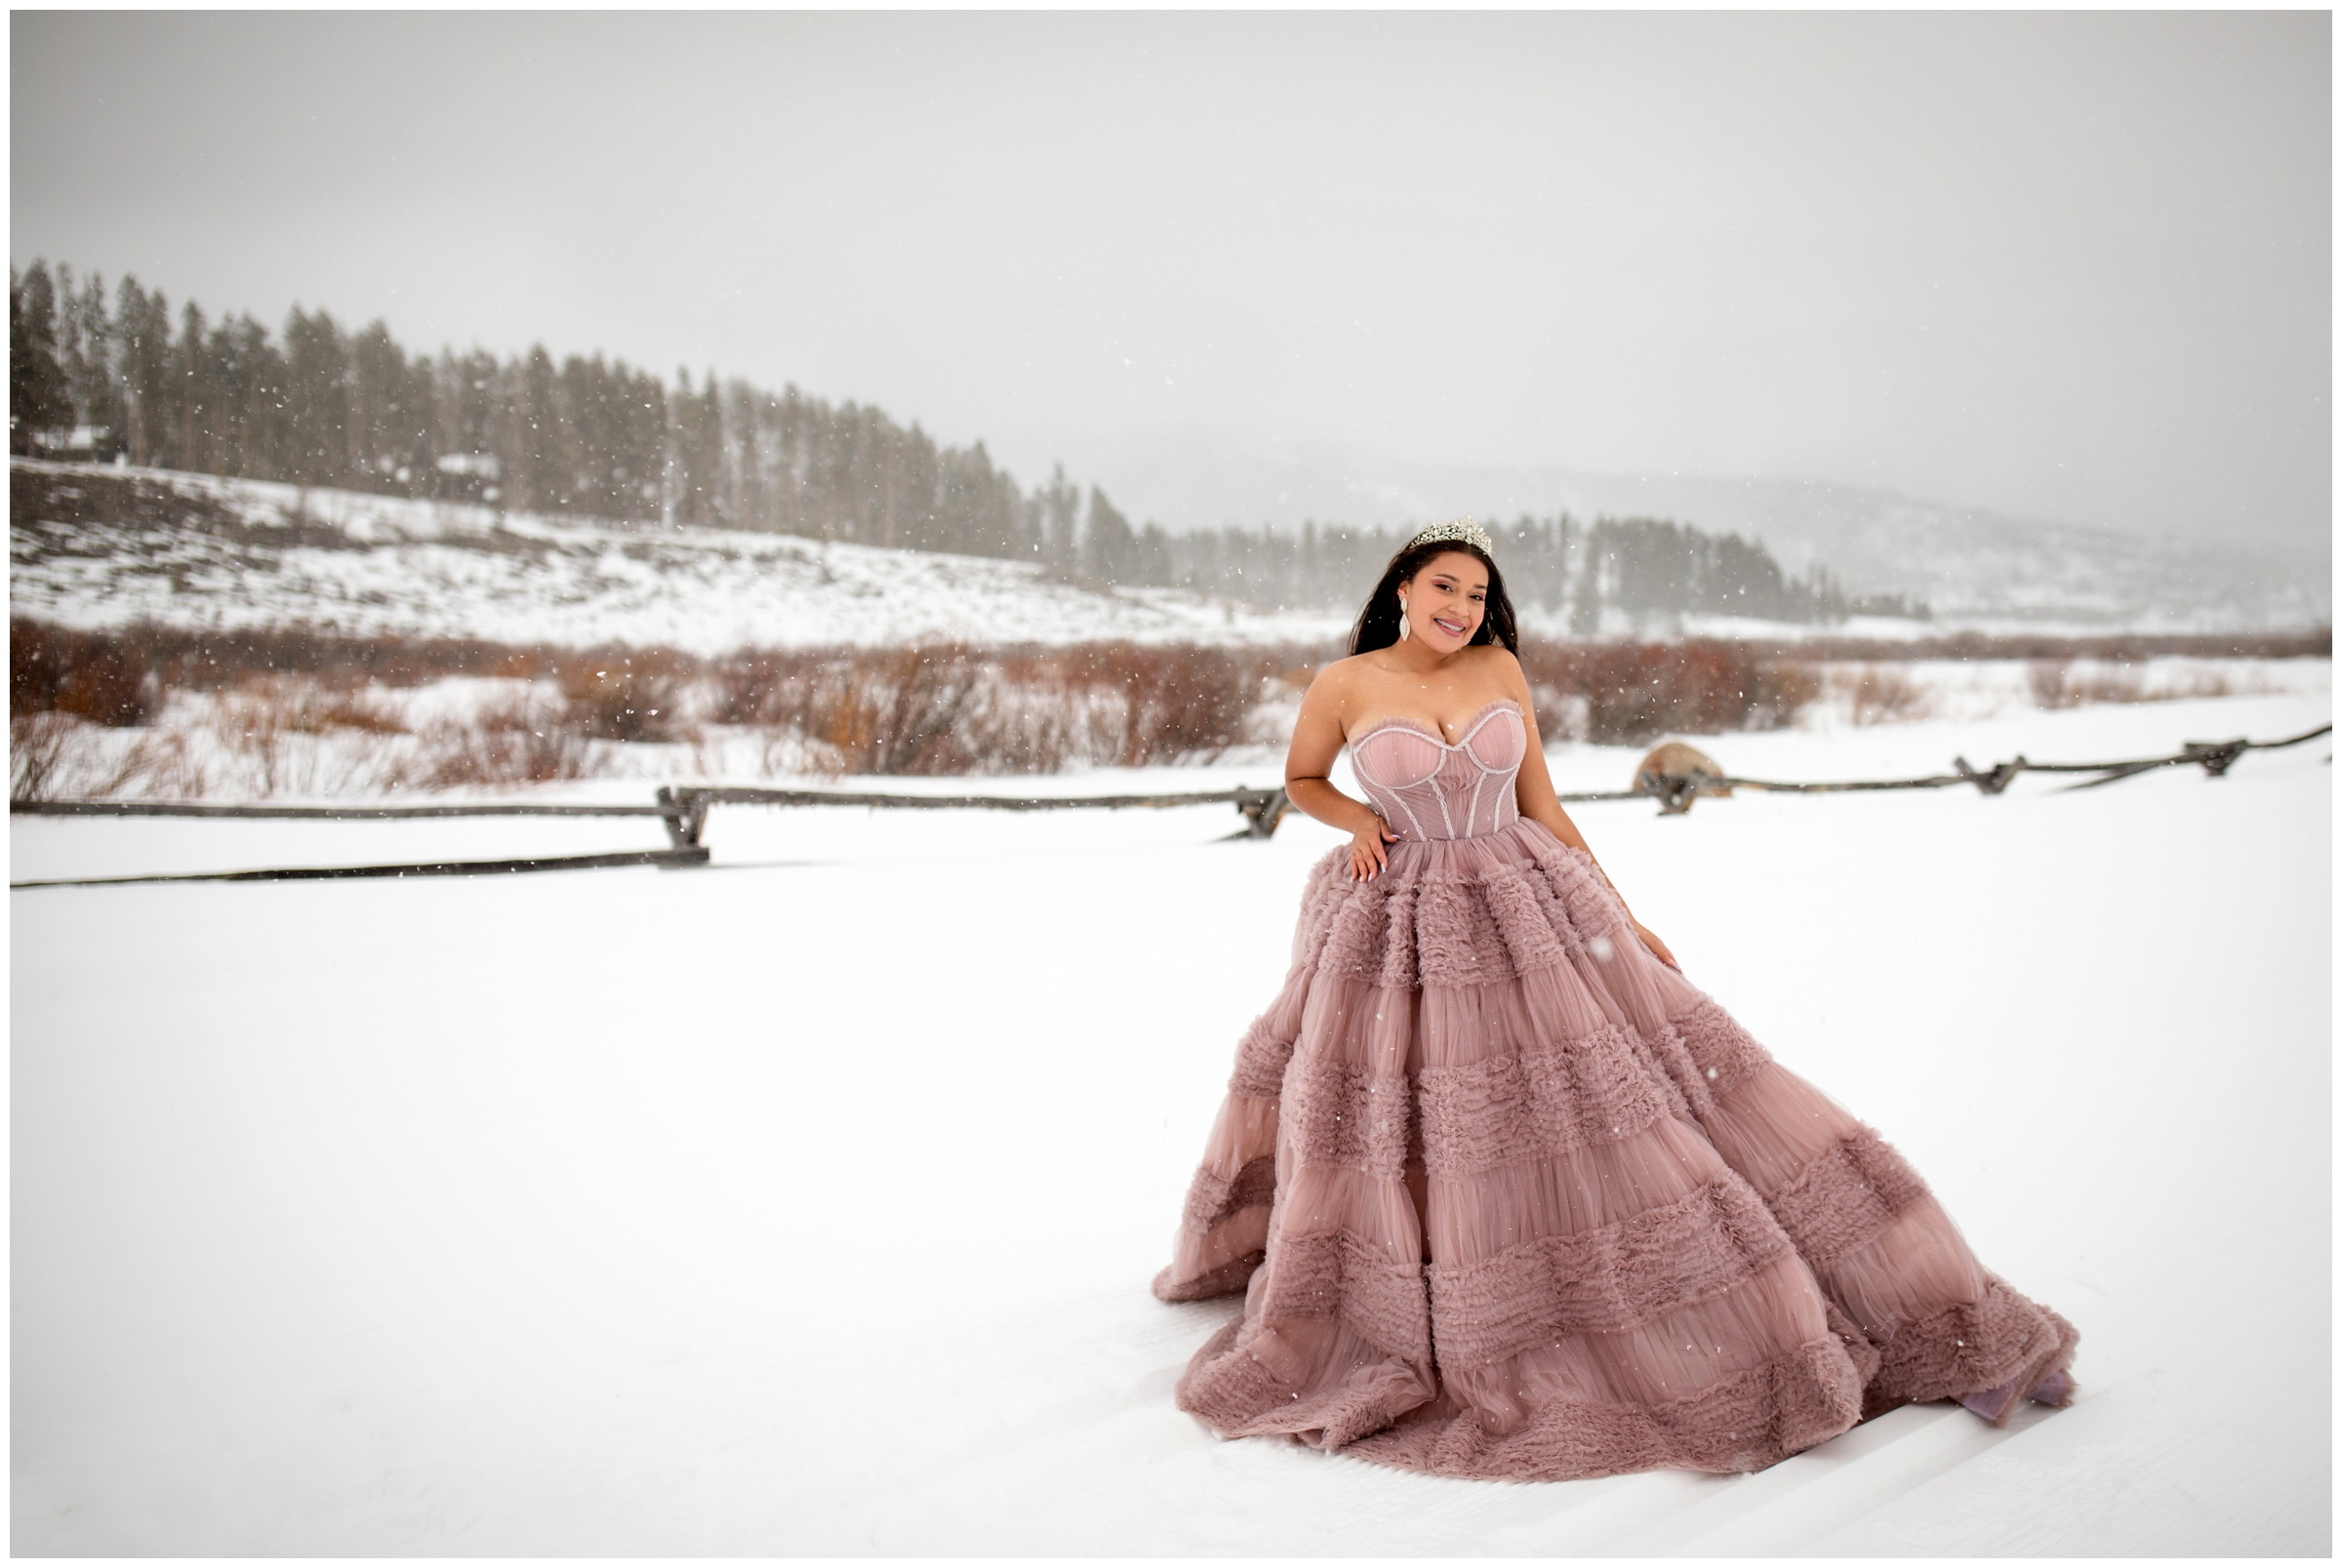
806, 1203
344, 561
251, 553
254, 744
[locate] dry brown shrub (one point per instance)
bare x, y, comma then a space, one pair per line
1180, 700
2108, 686
518, 664
358, 711
2056, 684
95, 675
2046, 678
61, 756
896, 711
280, 734
209, 658
39, 746
950, 708
1880, 694
2212, 683
759, 686
1130, 706
1033, 717
628, 695
302, 705
160, 765
1634, 692
519, 742
1780, 690
1115, 704
252, 727
2120, 648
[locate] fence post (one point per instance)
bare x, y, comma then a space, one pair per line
1263, 811
1675, 791
2215, 756
1992, 782
688, 821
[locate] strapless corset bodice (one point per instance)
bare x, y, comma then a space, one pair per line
1427, 788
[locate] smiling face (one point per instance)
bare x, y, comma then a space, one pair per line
1445, 601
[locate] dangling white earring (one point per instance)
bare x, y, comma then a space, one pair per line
1402, 621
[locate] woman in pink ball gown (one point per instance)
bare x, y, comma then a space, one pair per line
1504, 1194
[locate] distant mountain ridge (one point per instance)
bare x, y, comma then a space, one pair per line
1962, 562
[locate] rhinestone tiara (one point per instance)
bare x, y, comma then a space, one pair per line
1462, 531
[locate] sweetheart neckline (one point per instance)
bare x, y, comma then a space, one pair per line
1472, 726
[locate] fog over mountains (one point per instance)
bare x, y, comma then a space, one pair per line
1219, 515
1964, 562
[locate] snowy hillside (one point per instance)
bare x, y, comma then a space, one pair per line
1973, 565
1970, 566
95, 547
806, 1205
92, 546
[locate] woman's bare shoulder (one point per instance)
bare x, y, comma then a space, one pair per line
1495, 662
1342, 675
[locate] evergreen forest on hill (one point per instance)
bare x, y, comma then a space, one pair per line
323, 405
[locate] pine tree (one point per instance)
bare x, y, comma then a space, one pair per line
38, 399
85, 341
1151, 563
1061, 509
542, 472
196, 398
251, 376
696, 442
466, 397
591, 402
1108, 547
316, 429
744, 471
386, 438
142, 370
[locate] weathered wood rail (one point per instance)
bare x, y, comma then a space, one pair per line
184, 808
1675, 792
683, 808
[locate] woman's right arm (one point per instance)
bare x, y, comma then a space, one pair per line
1310, 760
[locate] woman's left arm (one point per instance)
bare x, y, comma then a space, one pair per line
1534, 793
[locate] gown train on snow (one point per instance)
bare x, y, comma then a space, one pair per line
1509, 1197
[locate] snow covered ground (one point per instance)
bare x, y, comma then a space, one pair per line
360, 564
806, 1203
252, 554
253, 744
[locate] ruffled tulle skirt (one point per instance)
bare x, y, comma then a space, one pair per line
1509, 1197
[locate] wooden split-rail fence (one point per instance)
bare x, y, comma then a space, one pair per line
1675, 792
683, 808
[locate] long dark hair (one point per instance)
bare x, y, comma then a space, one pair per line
1378, 624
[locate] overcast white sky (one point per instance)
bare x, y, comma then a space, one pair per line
2070, 266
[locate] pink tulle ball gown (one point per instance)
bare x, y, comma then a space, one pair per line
1505, 1196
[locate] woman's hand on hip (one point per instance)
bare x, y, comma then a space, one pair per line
1367, 857
1658, 947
